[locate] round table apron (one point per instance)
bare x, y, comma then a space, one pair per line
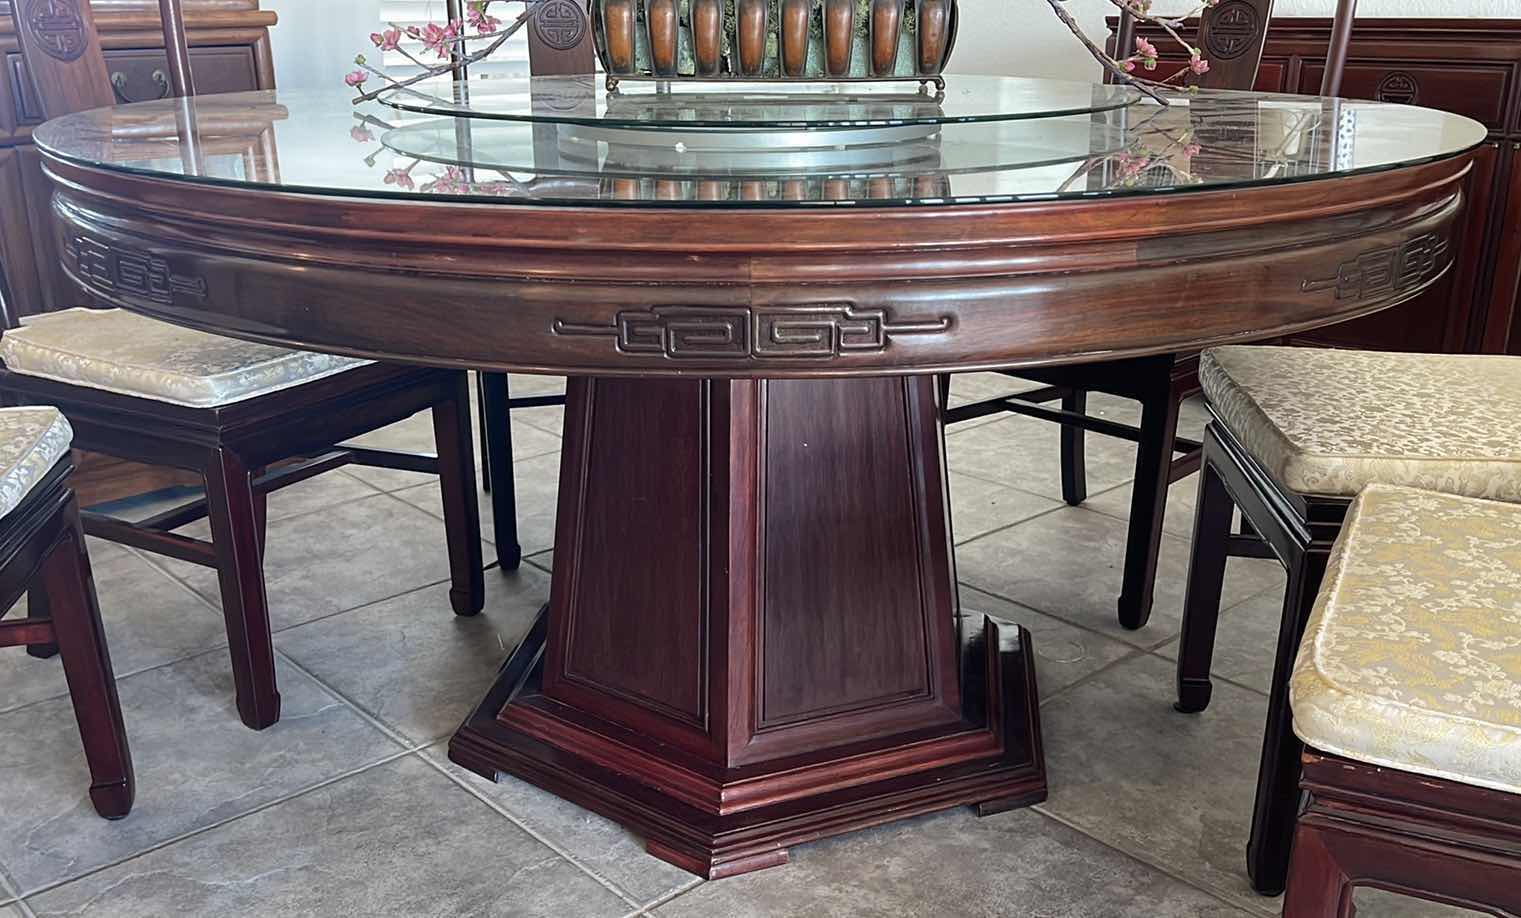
753, 637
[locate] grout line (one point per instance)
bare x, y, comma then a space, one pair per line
672, 896
530, 830
1135, 654
8, 893
26, 910
1224, 896
439, 516
390, 734
183, 836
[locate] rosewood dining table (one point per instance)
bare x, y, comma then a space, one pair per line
753, 636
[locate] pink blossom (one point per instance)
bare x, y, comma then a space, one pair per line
356, 79
479, 20
1198, 65
440, 40
1129, 66
389, 40
1191, 150
1145, 48
361, 134
401, 178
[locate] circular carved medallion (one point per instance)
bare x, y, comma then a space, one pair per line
1399, 87
560, 24
1232, 29
56, 27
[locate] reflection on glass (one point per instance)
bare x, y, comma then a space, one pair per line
650, 148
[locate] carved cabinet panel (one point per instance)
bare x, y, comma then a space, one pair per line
229, 53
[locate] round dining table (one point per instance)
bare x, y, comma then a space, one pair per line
753, 637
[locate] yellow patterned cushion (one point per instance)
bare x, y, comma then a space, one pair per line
32, 440
1324, 421
129, 354
1412, 657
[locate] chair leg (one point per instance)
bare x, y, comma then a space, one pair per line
1148, 497
1074, 439
480, 414
37, 607
462, 515
496, 430
1277, 803
1317, 887
1201, 601
81, 639
240, 570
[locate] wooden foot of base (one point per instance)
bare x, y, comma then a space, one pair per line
712, 868
991, 758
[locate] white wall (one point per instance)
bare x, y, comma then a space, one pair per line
316, 40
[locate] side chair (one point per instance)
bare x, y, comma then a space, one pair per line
1297, 433
42, 554
248, 418
1161, 383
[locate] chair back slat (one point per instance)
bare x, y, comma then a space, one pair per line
62, 50
177, 46
1232, 35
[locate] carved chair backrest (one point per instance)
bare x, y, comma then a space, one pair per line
1232, 34
62, 50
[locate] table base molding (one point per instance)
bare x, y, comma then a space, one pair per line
1000, 715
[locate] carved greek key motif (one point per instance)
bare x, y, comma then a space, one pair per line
1232, 29
57, 27
1386, 271
131, 273
760, 333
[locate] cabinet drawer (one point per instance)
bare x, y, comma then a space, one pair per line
1477, 91
139, 74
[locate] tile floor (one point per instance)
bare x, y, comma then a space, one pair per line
350, 806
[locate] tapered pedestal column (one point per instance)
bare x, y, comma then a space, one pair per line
753, 638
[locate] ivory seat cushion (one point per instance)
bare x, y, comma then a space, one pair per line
1412, 656
32, 440
1329, 422
129, 354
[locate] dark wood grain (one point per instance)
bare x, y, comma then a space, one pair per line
661, 22
938, 282
795, 16
618, 31
707, 36
42, 551
231, 446
1433, 838
839, 35
933, 34
886, 21
750, 34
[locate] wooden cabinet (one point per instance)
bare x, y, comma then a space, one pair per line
229, 52
1468, 66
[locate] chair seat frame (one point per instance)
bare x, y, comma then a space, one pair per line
1432, 838
247, 449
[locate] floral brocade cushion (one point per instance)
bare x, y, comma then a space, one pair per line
1324, 421
129, 354
32, 440
1412, 656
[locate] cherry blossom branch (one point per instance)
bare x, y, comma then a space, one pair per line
449, 42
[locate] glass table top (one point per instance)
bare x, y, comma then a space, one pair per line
1056, 140
804, 105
